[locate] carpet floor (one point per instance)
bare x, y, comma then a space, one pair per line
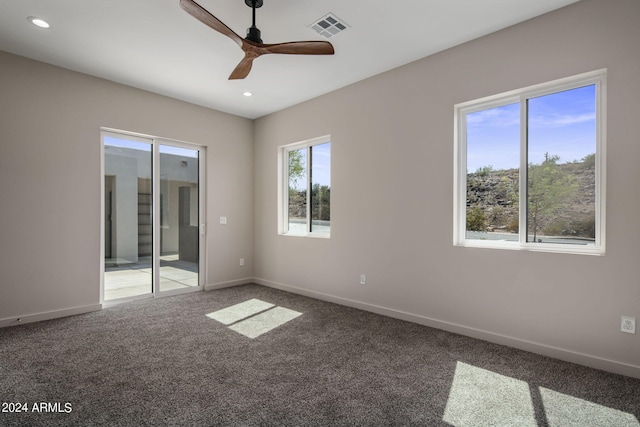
256, 356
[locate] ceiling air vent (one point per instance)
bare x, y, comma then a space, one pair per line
329, 25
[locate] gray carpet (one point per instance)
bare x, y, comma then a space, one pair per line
165, 362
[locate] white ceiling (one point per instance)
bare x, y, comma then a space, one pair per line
156, 46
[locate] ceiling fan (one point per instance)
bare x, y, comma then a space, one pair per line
252, 44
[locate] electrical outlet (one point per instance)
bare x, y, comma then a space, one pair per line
223, 220
628, 324
241, 261
363, 279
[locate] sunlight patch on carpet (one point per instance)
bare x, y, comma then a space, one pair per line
480, 397
237, 312
264, 322
563, 410
253, 318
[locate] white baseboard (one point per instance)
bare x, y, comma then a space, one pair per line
55, 314
229, 284
533, 347
48, 315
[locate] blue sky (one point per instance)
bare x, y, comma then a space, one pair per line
561, 124
143, 146
320, 168
125, 143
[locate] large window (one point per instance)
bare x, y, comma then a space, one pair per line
305, 188
530, 168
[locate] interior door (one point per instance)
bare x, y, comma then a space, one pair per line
108, 216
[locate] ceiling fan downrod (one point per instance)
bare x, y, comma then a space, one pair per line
253, 33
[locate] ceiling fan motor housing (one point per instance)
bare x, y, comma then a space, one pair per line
253, 34
250, 3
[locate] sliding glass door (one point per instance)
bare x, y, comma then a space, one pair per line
152, 217
179, 217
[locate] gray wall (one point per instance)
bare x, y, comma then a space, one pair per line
392, 195
50, 179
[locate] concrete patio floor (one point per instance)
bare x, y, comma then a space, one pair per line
132, 279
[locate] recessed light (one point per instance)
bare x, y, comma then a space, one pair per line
38, 22
247, 93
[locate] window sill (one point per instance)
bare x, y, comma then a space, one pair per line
534, 247
312, 235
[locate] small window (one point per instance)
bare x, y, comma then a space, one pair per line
530, 168
305, 188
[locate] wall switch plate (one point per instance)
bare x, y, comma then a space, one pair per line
363, 279
241, 261
223, 220
628, 324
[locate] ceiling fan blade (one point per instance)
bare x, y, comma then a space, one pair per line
300, 48
242, 69
204, 16
252, 46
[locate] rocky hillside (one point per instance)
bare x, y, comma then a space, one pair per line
492, 200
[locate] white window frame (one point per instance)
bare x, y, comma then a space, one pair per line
283, 186
597, 78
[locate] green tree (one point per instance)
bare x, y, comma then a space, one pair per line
297, 167
548, 190
321, 202
297, 173
589, 161
476, 219
484, 170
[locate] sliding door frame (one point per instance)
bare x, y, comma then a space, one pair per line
155, 147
